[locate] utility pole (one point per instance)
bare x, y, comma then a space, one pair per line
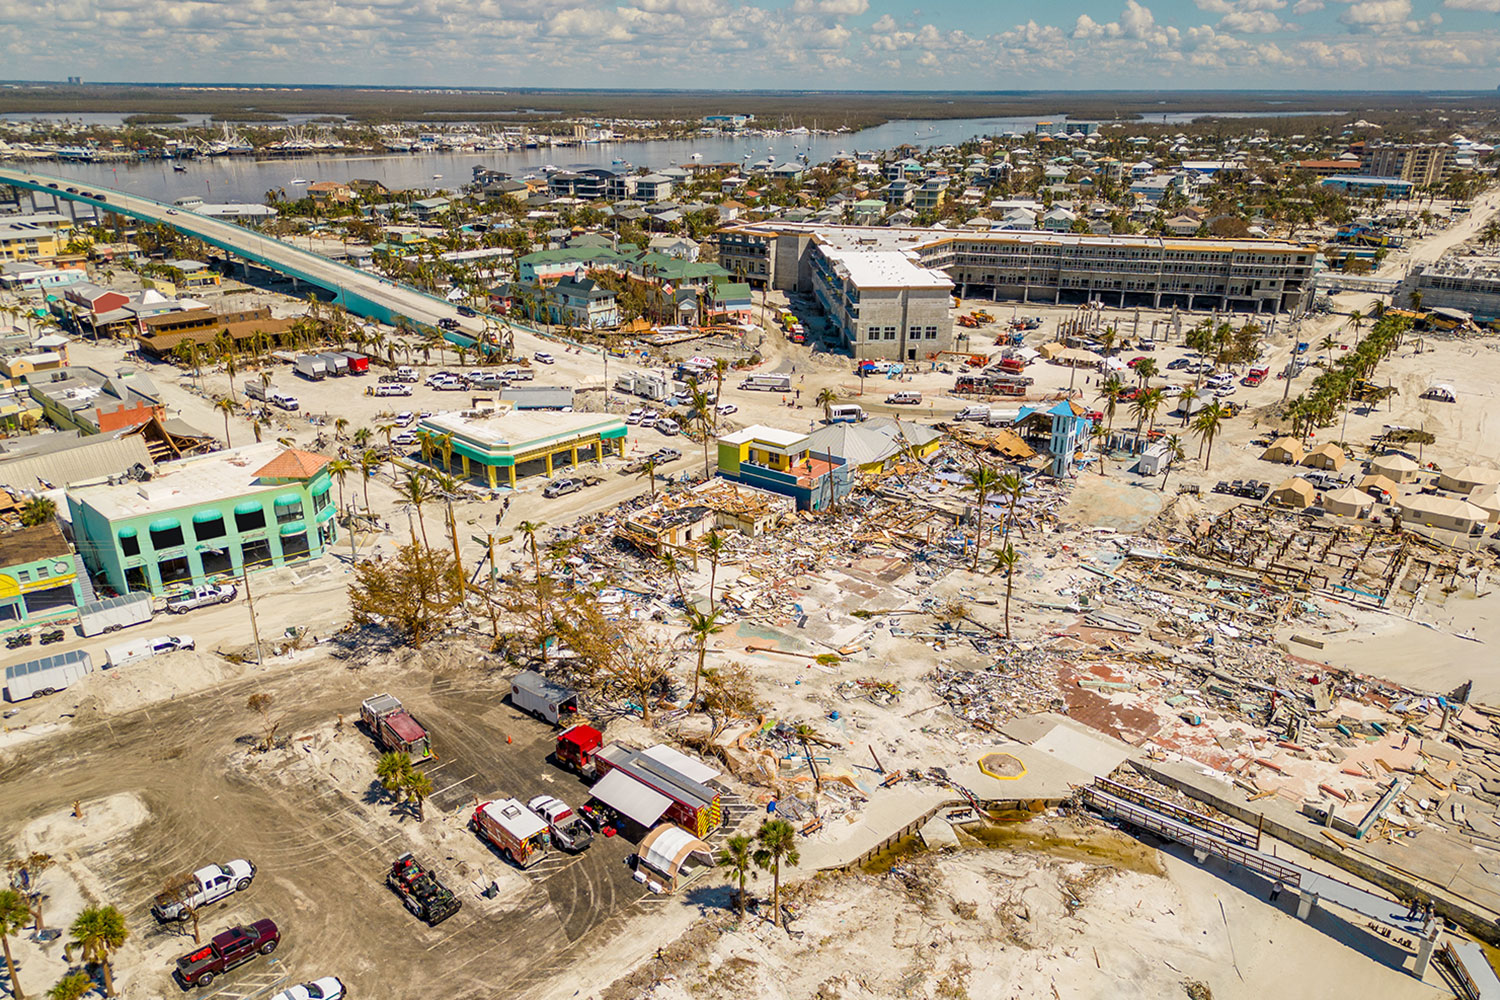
254, 628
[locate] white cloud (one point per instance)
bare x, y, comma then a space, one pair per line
1308, 7
1376, 15
1490, 6
834, 8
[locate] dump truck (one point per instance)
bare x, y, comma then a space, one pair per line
114, 613
554, 703
515, 830
204, 886
394, 728
420, 891
226, 950
576, 747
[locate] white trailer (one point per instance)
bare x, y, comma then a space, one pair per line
768, 383
531, 692
46, 674
311, 367
338, 365
114, 613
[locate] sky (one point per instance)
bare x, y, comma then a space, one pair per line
777, 44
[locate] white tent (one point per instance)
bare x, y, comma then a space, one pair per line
674, 854
629, 797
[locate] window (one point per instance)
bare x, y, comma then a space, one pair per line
24, 575
288, 513
42, 572
205, 530
130, 545
166, 538
250, 520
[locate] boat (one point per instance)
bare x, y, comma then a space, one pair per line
179, 168
299, 180
696, 156
437, 177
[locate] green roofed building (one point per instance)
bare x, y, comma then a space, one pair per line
501, 444
204, 518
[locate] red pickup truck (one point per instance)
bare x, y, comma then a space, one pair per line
228, 949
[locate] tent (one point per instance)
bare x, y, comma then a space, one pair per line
1468, 479
1286, 451
1397, 468
1297, 493
629, 797
1487, 500
1326, 456
1050, 350
1376, 484
1348, 502
1448, 513
673, 856
1078, 357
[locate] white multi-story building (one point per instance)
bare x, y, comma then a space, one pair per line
1147, 271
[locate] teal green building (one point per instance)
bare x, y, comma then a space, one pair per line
39, 579
205, 518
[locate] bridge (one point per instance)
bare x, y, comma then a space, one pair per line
363, 294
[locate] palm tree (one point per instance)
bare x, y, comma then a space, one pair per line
700, 626
1012, 487
1110, 391
1175, 454
388, 429
826, 397
1006, 559
414, 491
340, 425
649, 475
982, 481
73, 986
715, 544
368, 463
737, 856
339, 469
362, 437
1185, 402
777, 842
392, 771
226, 406
1206, 425
15, 913
1356, 320
98, 932
38, 510
417, 787
1145, 371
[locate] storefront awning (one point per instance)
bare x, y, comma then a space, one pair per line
295, 528
289, 500
204, 516
126, 532
624, 794
322, 488
248, 507
165, 524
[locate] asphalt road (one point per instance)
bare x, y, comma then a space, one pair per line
321, 856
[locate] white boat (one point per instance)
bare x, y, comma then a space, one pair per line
696, 156
299, 180
437, 177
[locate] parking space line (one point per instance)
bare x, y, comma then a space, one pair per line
455, 784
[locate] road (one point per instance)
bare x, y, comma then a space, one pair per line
364, 294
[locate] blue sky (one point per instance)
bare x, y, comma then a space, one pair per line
813, 44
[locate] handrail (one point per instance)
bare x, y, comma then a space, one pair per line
1179, 813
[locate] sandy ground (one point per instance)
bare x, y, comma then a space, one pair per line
1000, 924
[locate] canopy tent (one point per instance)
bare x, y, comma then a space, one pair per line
1327, 456
629, 797
1371, 483
674, 854
1294, 493
1469, 478
1286, 451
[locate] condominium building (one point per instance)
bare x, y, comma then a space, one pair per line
1250, 275
1421, 165
1471, 284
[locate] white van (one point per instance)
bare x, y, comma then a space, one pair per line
389, 389
904, 398
844, 413
979, 412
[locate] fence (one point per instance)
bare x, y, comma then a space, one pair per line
1468, 989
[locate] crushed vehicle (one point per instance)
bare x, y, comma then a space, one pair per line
420, 891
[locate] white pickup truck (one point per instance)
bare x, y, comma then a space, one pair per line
204, 886
201, 597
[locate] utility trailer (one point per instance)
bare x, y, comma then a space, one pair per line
114, 613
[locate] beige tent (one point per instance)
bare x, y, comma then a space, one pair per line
1468, 479
1287, 451
1077, 357
1448, 513
1487, 500
1050, 351
1326, 456
1375, 482
1348, 502
1294, 493
1397, 468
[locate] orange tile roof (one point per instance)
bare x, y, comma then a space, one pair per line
293, 464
